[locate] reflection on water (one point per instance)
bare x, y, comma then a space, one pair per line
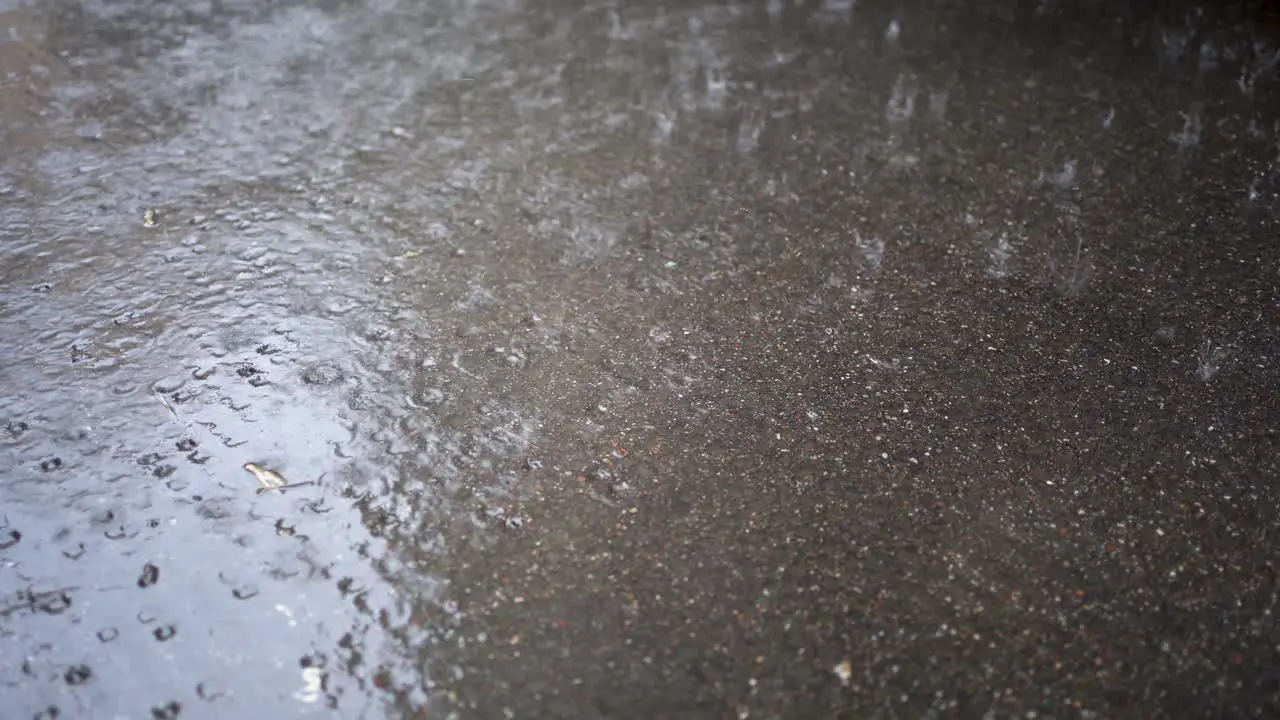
439, 258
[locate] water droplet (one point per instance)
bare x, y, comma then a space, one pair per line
203, 693
77, 674
51, 603
169, 384
150, 575
247, 370
902, 100
118, 534
168, 711
322, 374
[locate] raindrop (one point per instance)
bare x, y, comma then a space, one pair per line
891, 48
1065, 179
314, 685
186, 444
1071, 267
168, 385
1210, 360
253, 253
74, 555
51, 603
322, 374
438, 231
150, 575
872, 249
938, 104
168, 711
164, 632
1189, 136
77, 674
902, 101
999, 255
749, 130
51, 464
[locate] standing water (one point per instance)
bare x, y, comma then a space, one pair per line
493, 358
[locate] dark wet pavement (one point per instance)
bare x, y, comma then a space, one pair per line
654, 360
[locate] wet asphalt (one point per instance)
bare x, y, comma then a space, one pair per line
639, 360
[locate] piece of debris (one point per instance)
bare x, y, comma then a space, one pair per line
167, 406
312, 684
272, 480
149, 218
268, 479
844, 671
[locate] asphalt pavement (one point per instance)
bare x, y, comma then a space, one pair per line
581, 359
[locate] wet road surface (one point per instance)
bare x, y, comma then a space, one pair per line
645, 360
